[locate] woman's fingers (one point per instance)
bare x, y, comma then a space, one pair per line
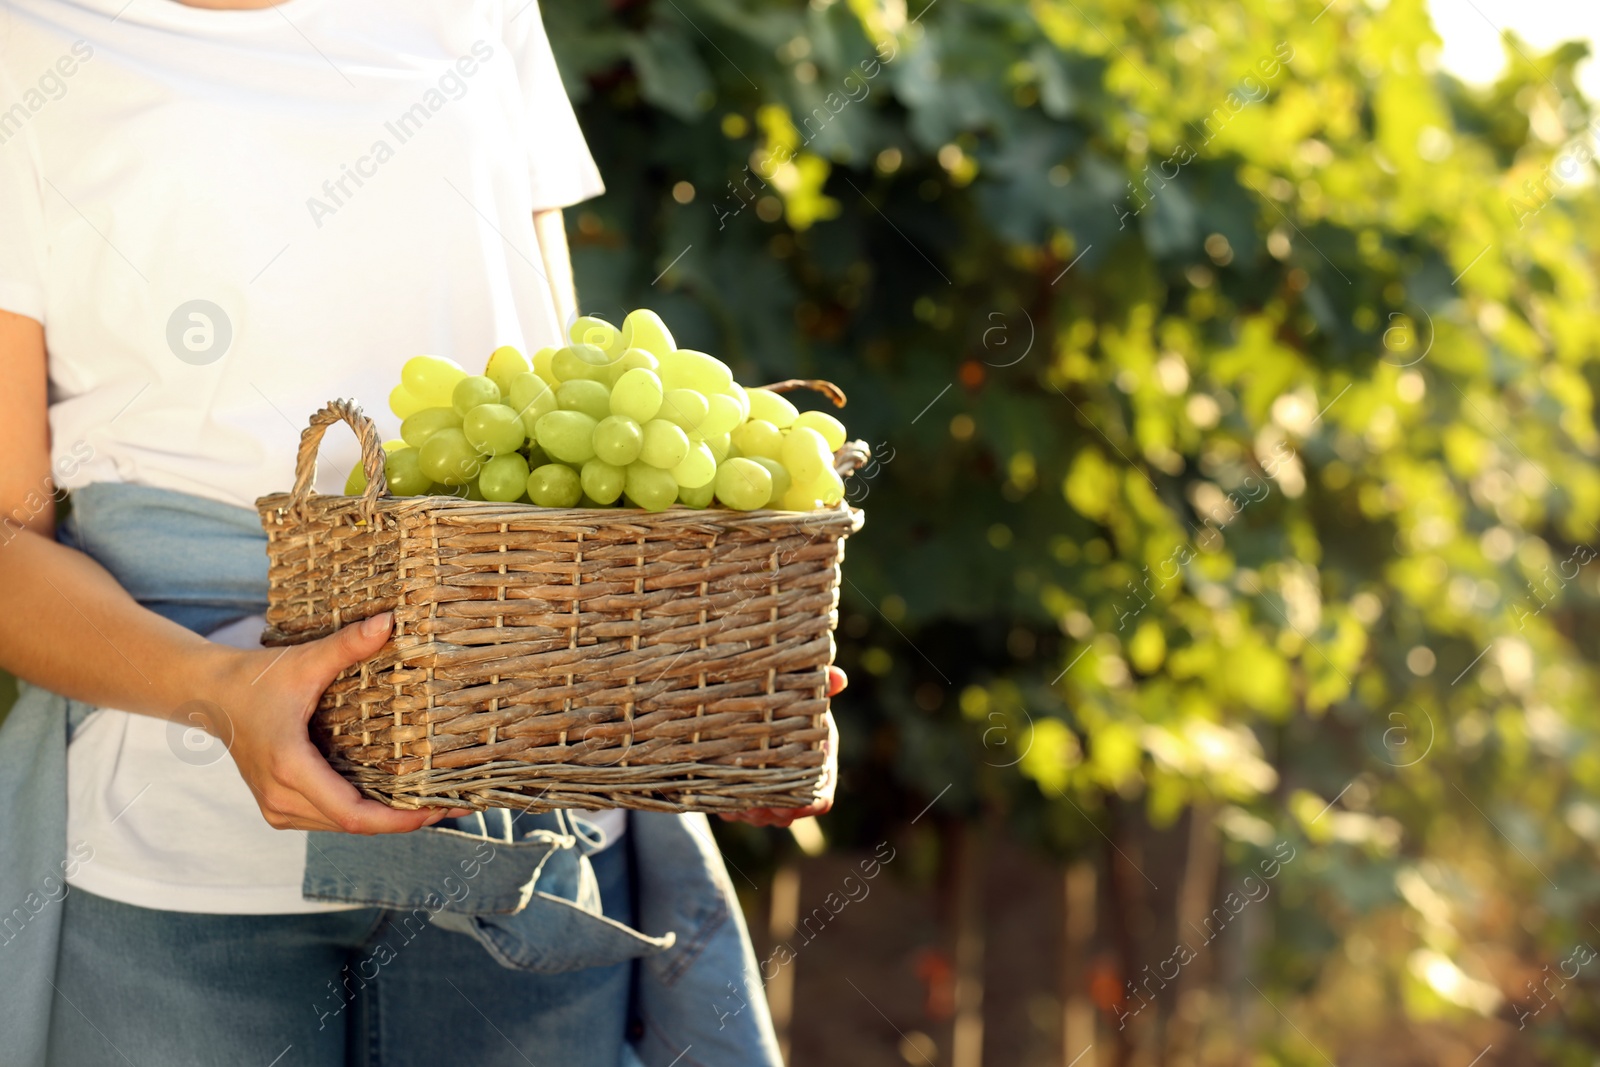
755, 816
349, 646
284, 809
830, 768
337, 802
825, 791
292, 782
780, 816
294, 812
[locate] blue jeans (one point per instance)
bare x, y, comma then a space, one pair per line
696, 984
367, 988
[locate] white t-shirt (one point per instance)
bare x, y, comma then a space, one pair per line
225, 219
171, 823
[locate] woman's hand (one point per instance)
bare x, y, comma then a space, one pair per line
265, 701
830, 775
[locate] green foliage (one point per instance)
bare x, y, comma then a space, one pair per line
1231, 371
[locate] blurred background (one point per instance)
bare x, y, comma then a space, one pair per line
1223, 683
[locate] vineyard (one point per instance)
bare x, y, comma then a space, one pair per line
1222, 668
1229, 374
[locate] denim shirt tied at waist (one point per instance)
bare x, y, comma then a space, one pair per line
520, 884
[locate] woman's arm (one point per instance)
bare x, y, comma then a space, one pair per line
58, 608
66, 625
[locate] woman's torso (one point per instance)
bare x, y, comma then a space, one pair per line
243, 214
225, 219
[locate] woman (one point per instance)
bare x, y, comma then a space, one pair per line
215, 216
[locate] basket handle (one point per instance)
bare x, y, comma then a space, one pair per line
851, 458
855, 454
305, 464
827, 389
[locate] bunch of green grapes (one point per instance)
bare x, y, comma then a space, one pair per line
618, 413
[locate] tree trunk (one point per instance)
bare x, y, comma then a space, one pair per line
1128, 912
967, 1036
1077, 1010
781, 922
1194, 902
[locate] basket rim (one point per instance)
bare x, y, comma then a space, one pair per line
453, 510
849, 458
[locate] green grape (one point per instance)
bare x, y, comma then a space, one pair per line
579, 361
532, 398
403, 404
355, 482
741, 396
684, 368
829, 488
494, 429
590, 330
743, 484
758, 437
650, 487
424, 424
567, 436
644, 329
698, 498
686, 407
473, 391
637, 395
697, 468
765, 404
402, 471
449, 458
465, 491
505, 365
780, 475
664, 445
617, 440
798, 499
526, 389
602, 482
504, 478
581, 394
721, 447
542, 363
554, 485
629, 360
537, 457
431, 379
806, 455
831, 429
821, 488
637, 357
722, 415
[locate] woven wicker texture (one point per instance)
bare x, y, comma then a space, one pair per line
669, 661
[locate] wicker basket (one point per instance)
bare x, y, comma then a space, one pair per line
550, 657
